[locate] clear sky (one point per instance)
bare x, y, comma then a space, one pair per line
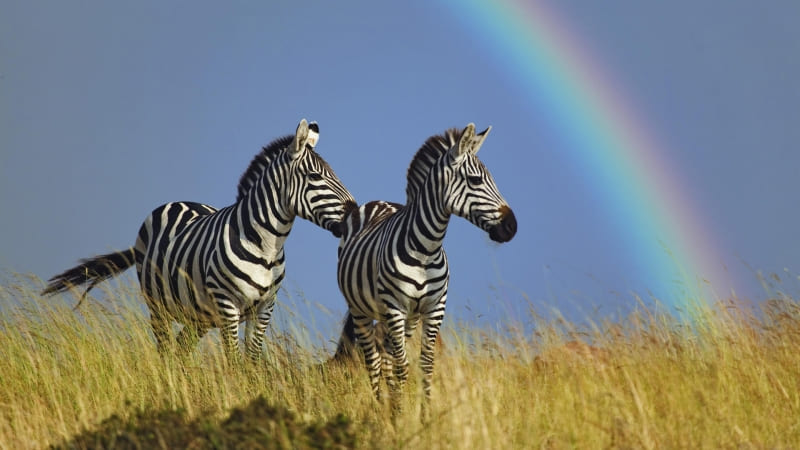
109, 109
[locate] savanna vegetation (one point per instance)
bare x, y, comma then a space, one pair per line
724, 375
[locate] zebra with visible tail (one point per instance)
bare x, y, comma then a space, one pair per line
208, 268
392, 268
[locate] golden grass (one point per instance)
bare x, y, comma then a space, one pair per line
727, 378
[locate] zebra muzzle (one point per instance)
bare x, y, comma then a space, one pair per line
506, 229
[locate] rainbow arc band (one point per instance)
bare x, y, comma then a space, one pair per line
607, 140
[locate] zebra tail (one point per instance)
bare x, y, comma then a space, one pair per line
91, 271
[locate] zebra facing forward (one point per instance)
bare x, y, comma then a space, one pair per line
392, 268
207, 268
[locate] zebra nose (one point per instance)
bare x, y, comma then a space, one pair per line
509, 224
507, 228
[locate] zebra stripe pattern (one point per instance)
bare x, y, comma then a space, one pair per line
392, 268
207, 268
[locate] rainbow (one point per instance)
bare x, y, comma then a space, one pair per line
608, 141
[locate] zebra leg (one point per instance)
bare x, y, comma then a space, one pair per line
430, 331
228, 315
396, 343
387, 356
396, 338
256, 328
365, 333
230, 338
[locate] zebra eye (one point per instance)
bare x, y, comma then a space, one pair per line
475, 180
314, 176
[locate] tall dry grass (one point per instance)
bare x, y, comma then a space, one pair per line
726, 377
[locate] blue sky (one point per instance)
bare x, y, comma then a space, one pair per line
109, 109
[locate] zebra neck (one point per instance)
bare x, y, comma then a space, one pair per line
262, 221
425, 220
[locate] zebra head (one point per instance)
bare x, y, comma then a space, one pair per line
471, 191
315, 192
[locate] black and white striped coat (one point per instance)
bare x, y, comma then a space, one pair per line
392, 268
207, 268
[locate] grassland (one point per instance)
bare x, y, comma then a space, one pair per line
728, 377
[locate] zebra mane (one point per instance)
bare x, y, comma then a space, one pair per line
260, 162
426, 157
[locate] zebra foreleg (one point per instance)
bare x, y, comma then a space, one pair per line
228, 316
365, 333
396, 346
430, 332
387, 356
256, 328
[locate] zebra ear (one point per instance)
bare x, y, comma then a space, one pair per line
478, 140
462, 148
305, 137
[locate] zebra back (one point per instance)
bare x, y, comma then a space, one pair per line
367, 216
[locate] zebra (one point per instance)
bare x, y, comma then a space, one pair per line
392, 268
215, 268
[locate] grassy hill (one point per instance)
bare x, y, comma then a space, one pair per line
92, 378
